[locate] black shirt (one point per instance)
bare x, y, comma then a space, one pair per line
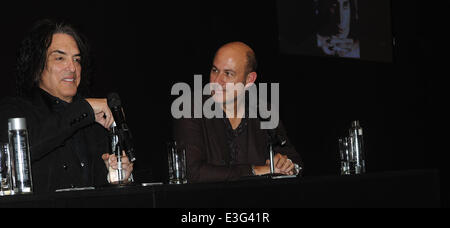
76, 143
66, 144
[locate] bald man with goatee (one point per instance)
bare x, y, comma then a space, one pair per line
229, 148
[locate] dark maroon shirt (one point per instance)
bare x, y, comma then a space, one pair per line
215, 152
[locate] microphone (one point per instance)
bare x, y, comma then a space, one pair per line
125, 140
277, 139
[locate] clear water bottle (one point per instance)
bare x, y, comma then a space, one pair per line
344, 151
5, 170
356, 144
116, 176
171, 149
20, 151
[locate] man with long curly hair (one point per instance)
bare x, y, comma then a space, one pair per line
69, 140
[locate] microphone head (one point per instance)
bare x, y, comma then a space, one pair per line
277, 139
283, 142
113, 100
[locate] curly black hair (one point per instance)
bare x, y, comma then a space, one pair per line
32, 56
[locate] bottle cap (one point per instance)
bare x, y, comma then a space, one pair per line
17, 124
355, 123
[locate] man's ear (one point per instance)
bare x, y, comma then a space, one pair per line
251, 78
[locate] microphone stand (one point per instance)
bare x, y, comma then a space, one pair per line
272, 165
120, 136
276, 140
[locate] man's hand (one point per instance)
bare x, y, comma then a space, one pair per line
283, 165
103, 114
111, 163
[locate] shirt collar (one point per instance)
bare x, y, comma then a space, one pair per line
52, 102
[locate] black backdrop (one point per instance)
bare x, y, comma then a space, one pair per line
141, 50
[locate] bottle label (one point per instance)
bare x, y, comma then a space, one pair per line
22, 172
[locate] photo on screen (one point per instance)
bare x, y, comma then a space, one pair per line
357, 29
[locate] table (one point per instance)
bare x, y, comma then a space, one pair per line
414, 188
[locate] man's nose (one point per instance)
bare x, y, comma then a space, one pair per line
337, 16
71, 66
220, 79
